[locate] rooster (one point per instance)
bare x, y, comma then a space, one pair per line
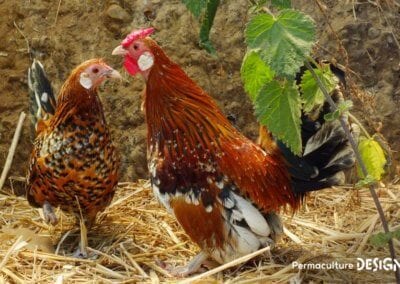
224, 190
73, 164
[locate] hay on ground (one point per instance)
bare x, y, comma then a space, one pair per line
135, 232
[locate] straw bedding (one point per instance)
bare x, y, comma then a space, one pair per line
135, 233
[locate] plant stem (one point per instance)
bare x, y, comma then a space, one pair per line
355, 119
372, 187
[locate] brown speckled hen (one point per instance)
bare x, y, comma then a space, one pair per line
224, 190
74, 164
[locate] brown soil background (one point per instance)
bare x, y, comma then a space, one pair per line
62, 34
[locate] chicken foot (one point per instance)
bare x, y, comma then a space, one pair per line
49, 215
191, 267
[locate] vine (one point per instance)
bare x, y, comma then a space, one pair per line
279, 45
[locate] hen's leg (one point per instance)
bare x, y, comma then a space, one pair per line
49, 215
191, 267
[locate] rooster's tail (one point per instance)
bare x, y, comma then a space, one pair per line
326, 150
42, 100
326, 153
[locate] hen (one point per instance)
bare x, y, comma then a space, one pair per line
73, 164
224, 190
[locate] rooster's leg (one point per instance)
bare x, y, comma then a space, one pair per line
49, 215
190, 268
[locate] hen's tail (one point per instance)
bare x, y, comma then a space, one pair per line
326, 151
42, 101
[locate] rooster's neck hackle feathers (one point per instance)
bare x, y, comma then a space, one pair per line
185, 126
173, 102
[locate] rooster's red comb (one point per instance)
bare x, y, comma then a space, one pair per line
135, 35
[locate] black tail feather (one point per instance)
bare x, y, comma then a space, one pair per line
42, 99
326, 150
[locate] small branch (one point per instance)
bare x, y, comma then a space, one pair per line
58, 11
25, 38
355, 119
372, 187
11, 151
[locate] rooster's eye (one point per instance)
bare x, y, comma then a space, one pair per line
135, 46
95, 70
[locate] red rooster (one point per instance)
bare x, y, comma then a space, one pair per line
223, 189
74, 164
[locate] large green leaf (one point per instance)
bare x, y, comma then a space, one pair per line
278, 106
196, 7
285, 41
373, 157
255, 74
313, 98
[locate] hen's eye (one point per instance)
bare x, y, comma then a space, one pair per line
95, 70
135, 46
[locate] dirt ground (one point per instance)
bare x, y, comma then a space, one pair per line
62, 34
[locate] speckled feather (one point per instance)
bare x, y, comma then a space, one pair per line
73, 156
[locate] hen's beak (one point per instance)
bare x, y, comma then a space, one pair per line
113, 74
119, 50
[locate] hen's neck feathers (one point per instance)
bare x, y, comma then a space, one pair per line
74, 99
174, 103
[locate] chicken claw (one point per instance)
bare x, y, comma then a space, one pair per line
193, 266
49, 215
80, 252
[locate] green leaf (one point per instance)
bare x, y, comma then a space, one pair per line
211, 10
396, 234
381, 239
373, 157
285, 41
282, 4
342, 108
313, 98
278, 106
255, 74
196, 7
345, 106
204, 11
331, 116
368, 180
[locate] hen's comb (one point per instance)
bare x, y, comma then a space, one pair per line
135, 35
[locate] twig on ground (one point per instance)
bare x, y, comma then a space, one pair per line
25, 38
226, 265
11, 151
58, 11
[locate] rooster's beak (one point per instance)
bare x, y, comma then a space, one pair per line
119, 50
